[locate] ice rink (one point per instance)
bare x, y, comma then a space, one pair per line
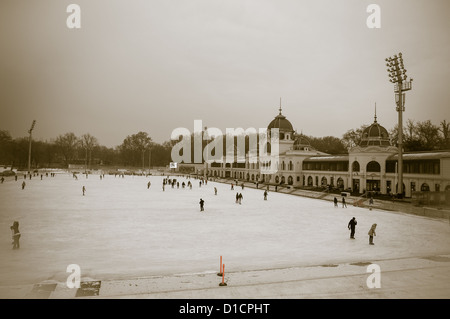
121, 229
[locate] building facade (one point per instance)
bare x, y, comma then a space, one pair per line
369, 166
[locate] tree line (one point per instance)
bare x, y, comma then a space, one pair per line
137, 150
140, 151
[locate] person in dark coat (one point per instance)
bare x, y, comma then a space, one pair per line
352, 225
16, 235
344, 204
265, 195
335, 202
372, 233
202, 204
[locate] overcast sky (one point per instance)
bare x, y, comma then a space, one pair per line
153, 66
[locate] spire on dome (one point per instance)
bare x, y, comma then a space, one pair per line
375, 117
280, 105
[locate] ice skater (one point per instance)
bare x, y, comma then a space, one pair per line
265, 195
15, 235
148, 185
344, 204
215, 190
372, 233
335, 202
240, 197
84, 190
202, 205
237, 198
23, 185
352, 225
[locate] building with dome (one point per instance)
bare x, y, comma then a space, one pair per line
369, 166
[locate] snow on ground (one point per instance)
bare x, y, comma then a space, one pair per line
120, 229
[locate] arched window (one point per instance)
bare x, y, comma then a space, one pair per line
355, 166
310, 181
373, 166
340, 183
277, 179
282, 180
424, 187
324, 181
290, 180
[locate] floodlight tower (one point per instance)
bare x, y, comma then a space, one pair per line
29, 147
397, 75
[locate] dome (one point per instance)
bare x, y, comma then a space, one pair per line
301, 142
301, 139
375, 134
280, 122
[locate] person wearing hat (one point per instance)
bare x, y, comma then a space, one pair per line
372, 233
352, 225
15, 235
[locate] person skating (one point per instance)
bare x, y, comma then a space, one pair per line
148, 185
265, 195
84, 190
23, 185
202, 205
237, 198
240, 197
344, 204
352, 225
372, 233
335, 202
215, 190
15, 235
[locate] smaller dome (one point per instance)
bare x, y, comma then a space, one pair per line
301, 142
376, 135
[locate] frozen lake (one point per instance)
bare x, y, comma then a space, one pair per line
120, 229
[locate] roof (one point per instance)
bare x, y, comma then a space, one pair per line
421, 155
375, 134
333, 158
280, 122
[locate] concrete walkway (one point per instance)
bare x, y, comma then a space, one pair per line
425, 277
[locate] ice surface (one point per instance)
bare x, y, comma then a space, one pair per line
121, 229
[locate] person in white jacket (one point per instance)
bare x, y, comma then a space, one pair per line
372, 233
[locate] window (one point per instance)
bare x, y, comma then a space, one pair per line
290, 180
425, 187
373, 167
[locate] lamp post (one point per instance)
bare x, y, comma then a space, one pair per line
397, 75
29, 146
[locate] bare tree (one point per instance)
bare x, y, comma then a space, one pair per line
66, 145
88, 142
445, 129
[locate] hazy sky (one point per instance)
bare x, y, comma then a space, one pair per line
148, 65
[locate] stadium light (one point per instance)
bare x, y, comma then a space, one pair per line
397, 75
29, 147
